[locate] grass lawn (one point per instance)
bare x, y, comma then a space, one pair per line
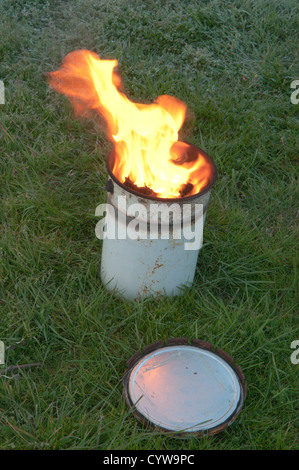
232, 63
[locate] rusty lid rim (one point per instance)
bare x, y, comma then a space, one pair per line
215, 356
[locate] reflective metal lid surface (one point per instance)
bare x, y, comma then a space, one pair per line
185, 388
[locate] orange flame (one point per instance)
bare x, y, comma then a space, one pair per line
147, 149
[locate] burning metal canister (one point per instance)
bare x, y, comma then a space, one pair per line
168, 179
159, 258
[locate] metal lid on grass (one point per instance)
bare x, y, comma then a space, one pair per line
185, 388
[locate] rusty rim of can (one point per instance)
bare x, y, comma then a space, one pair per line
218, 381
109, 164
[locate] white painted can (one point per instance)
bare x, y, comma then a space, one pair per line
147, 256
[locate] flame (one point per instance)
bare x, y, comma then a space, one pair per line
147, 150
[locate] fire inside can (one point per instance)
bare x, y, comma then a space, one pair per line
160, 258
